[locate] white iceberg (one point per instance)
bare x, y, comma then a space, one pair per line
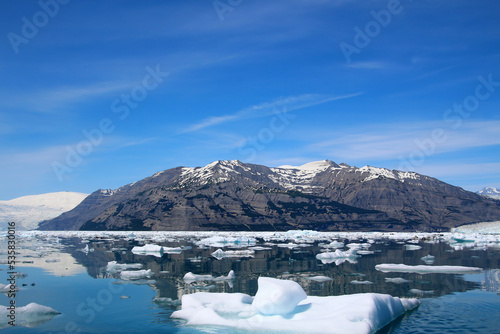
320, 278
413, 247
396, 280
148, 249
114, 266
31, 315
402, 268
190, 277
277, 297
291, 311
338, 256
356, 282
136, 274
220, 254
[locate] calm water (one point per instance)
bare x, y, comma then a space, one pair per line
69, 275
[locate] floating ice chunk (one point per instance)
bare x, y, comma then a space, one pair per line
219, 254
172, 250
148, 249
361, 282
359, 313
333, 244
276, 296
31, 315
397, 280
136, 274
428, 259
338, 256
260, 248
320, 278
402, 268
114, 267
190, 277
421, 292
227, 241
413, 247
365, 252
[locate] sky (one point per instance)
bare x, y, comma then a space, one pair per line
99, 94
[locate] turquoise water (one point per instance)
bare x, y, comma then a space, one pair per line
92, 300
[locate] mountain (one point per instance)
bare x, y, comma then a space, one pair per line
322, 195
28, 211
490, 192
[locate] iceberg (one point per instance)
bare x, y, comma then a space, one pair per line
31, 315
338, 256
320, 278
397, 280
114, 266
190, 277
148, 249
136, 274
402, 268
282, 306
220, 254
277, 297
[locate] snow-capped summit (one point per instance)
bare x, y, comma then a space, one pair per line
28, 211
231, 195
490, 192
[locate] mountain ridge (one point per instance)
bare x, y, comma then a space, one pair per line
321, 195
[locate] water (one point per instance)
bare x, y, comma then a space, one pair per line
72, 278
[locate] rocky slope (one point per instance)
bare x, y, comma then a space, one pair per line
231, 195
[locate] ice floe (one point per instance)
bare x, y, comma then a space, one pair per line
396, 280
283, 306
338, 256
148, 249
31, 315
114, 266
320, 278
136, 274
190, 277
402, 268
428, 259
219, 254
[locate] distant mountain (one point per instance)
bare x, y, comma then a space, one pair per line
322, 195
28, 211
490, 192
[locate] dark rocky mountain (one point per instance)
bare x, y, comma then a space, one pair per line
324, 196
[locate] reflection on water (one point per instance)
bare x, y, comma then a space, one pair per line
163, 282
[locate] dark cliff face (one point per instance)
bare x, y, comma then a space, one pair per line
230, 195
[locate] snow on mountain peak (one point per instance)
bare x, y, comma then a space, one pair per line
312, 166
376, 172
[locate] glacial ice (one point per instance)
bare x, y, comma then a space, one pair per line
114, 267
338, 256
219, 254
290, 311
31, 315
190, 277
277, 297
402, 268
136, 274
148, 249
428, 259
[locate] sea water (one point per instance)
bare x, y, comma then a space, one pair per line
70, 272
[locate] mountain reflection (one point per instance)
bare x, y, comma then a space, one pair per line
291, 262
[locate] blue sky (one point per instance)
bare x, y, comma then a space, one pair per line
98, 94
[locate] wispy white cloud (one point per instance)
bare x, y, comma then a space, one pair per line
287, 104
53, 99
393, 141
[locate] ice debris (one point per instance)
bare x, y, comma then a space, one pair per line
402, 268
31, 315
148, 249
136, 274
283, 306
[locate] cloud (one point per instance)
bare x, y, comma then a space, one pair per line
393, 141
268, 108
50, 100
